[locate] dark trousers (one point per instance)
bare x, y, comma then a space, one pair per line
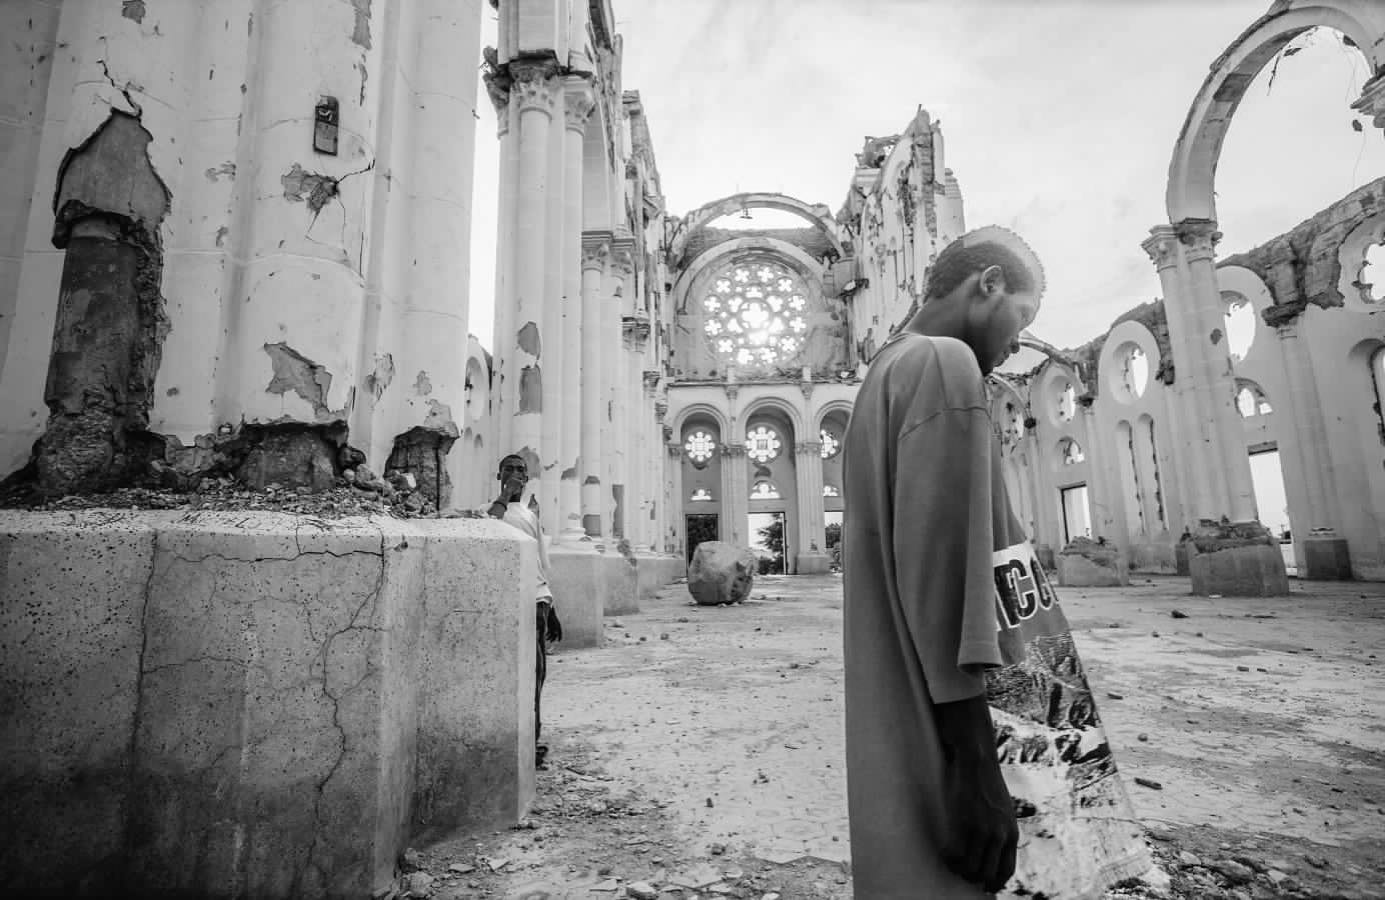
540, 662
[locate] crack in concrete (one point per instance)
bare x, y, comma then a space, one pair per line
371, 597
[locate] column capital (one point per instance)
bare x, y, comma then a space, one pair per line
1199, 238
595, 255
675, 450
733, 451
535, 85
578, 102
1162, 246
651, 384
1372, 100
622, 259
809, 448
1287, 329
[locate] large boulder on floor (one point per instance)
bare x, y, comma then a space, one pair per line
720, 573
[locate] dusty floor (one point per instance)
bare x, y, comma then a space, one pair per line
700, 750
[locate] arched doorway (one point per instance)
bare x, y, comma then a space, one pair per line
772, 511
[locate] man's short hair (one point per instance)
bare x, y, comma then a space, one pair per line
509, 456
978, 250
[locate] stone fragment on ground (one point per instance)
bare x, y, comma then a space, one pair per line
720, 572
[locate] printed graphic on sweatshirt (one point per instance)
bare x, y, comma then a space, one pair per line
1053, 751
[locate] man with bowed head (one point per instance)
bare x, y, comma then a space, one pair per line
930, 812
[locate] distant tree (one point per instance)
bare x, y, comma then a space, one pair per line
772, 536
834, 535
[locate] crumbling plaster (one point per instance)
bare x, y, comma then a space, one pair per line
266, 242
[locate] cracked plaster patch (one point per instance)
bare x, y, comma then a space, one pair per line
302, 186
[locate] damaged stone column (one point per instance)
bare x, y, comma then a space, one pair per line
596, 253
522, 383
578, 102
110, 327
552, 311
1233, 552
735, 494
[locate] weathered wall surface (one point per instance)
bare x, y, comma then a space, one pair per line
230, 705
308, 275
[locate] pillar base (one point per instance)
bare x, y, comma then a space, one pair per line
1236, 560
302, 700
1326, 557
1085, 563
1180, 558
813, 563
580, 579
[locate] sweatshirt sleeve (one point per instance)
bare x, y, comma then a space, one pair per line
943, 549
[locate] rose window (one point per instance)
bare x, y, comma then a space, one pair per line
754, 314
762, 444
700, 446
830, 445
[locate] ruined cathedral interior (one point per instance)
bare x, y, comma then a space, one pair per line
224, 259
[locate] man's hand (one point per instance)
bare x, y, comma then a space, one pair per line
555, 628
981, 832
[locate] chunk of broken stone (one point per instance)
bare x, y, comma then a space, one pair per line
411, 860
418, 884
720, 572
1234, 871
642, 890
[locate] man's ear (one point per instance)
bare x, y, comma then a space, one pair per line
992, 281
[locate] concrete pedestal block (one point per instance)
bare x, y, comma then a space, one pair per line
656, 571
1326, 559
1047, 559
1238, 559
1180, 557
813, 563
578, 577
1085, 563
622, 585
217, 704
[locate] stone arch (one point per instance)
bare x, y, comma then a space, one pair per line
1192, 172
1045, 388
778, 404
1109, 363
782, 251
1250, 395
718, 415
835, 406
817, 215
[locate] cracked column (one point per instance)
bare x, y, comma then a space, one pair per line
596, 253
675, 521
303, 222
522, 385
1232, 552
579, 101
812, 525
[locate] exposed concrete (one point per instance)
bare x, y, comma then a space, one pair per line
1236, 560
657, 571
109, 332
1085, 563
1326, 557
231, 704
422, 452
582, 580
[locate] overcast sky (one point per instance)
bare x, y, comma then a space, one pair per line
1059, 120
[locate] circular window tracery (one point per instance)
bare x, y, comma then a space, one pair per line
754, 313
700, 446
1072, 452
830, 445
762, 444
1373, 273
